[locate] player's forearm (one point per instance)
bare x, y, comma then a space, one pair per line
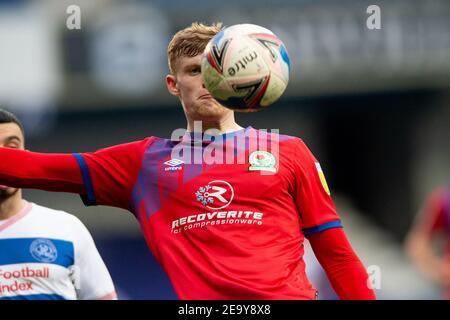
350, 280
343, 268
51, 172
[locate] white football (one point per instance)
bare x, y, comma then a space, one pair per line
245, 67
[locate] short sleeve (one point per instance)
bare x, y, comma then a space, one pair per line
109, 174
90, 276
317, 210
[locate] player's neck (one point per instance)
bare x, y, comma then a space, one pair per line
224, 125
11, 206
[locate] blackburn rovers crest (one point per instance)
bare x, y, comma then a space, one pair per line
262, 161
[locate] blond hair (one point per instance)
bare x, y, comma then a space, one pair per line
190, 42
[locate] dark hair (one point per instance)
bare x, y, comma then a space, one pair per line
8, 117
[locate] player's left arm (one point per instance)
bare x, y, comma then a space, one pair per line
323, 228
93, 281
345, 271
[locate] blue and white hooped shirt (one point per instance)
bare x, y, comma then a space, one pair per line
49, 254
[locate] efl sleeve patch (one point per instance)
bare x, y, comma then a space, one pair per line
322, 178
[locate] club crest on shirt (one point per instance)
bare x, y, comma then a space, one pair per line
43, 250
262, 161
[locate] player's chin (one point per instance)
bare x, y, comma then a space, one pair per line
210, 110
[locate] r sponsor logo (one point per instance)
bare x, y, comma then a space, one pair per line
217, 194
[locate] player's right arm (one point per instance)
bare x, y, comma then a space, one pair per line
51, 172
103, 177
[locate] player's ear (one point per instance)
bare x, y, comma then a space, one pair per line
171, 82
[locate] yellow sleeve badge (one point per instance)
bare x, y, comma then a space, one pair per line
322, 178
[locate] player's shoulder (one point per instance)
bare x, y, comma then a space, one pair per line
271, 134
130, 145
441, 192
56, 217
285, 140
446, 191
440, 196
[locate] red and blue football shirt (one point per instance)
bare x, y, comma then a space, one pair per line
230, 226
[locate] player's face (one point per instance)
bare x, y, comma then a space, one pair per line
187, 84
10, 137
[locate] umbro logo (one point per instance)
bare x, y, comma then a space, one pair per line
173, 165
